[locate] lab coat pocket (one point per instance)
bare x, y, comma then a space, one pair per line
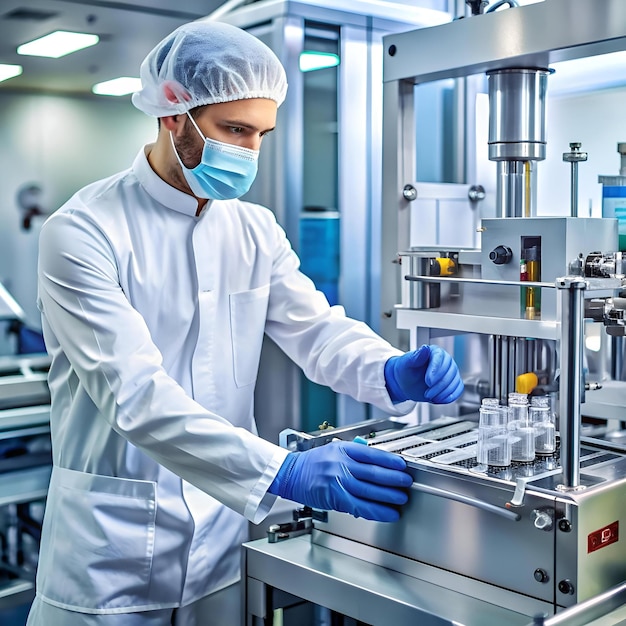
100, 542
248, 311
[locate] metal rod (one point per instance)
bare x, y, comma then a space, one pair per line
512, 365
459, 497
531, 356
575, 156
497, 360
480, 281
501, 370
504, 370
492, 366
574, 189
571, 345
527, 188
617, 357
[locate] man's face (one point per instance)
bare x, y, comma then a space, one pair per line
242, 123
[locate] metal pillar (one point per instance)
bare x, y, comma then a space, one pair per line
571, 381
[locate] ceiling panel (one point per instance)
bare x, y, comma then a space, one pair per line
128, 31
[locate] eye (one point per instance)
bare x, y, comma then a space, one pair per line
237, 130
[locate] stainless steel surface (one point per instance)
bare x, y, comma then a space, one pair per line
435, 207
20, 418
459, 497
515, 184
488, 324
560, 240
608, 403
25, 485
532, 36
517, 102
492, 290
439, 577
25, 467
456, 535
23, 380
355, 585
571, 385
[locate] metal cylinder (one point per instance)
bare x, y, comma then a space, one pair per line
517, 103
571, 380
512, 364
617, 357
423, 295
516, 189
574, 191
496, 366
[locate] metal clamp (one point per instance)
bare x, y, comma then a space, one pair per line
306, 512
280, 532
302, 524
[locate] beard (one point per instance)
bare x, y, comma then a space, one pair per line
189, 150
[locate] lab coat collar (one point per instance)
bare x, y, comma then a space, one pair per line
163, 193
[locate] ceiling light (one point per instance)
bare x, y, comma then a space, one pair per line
58, 44
117, 86
311, 60
9, 71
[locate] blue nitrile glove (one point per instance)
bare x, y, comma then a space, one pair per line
348, 477
425, 375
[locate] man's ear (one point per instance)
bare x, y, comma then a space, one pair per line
171, 122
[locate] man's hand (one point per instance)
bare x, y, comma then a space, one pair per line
348, 477
425, 375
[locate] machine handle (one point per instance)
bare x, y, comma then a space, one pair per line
479, 504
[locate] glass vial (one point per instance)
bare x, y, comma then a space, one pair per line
521, 431
493, 441
543, 420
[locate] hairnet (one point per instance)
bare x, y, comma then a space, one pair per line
206, 63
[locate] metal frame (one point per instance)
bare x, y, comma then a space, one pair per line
530, 36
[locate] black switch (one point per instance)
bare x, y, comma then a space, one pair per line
501, 255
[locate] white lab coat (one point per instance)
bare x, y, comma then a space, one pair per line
154, 319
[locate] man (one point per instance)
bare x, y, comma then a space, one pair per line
156, 286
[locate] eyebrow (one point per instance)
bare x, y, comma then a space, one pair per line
248, 126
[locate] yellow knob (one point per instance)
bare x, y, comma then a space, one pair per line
446, 266
525, 383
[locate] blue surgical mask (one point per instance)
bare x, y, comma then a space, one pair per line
225, 171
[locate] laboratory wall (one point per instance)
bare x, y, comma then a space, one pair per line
59, 144
596, 120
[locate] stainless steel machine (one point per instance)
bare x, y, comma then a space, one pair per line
533, 542
25, 463
475, 545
